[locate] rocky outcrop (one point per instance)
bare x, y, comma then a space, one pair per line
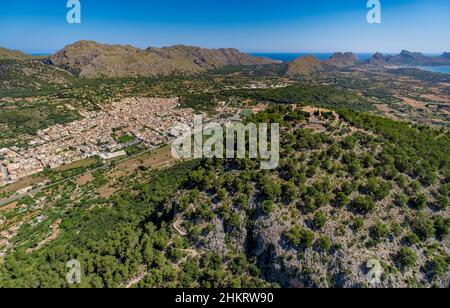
378, 59
91, 59
304, 66
208, 58
308, 65
340, 59
446, 55
410, 58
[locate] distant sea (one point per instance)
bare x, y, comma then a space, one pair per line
435, 69
288, 57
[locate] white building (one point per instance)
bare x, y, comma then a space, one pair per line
4, 175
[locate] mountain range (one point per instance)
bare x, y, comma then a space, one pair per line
304, 66
309, 64
91, 59
411, 58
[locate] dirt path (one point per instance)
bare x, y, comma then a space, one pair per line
52, 237
177, 226
137, 279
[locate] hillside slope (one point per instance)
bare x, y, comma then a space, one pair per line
340, 59
350, 188
304, 66
22, 76
410, 58
345, 193
91, 59
12, 54
307, 65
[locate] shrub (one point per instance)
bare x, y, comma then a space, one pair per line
290, 192
400, 200
270, 190
406, 258
411, 239
267, 207
319, 220
348, 143
414, 187
441, 226
437, 267
396, 229
441, 202
445, 189
358, 224
423, 228
222, 194
341, 200
379, 231
378, 189
234, 221
418, 202
325, 243
242, 201
349, 187
300, 237
363, 205
309, 204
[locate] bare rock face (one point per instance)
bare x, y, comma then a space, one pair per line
407, 57
91, 59
208, 58
446, 55
342, 59
378, 59
216, 240
304, 66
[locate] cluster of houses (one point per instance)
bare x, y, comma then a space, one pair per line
148, 120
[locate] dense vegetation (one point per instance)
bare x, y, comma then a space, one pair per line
26, 119
360, 187
25, 78
320, 96
384, 186
111, 243
422, 75
359, 183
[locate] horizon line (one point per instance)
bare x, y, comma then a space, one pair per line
49, 52
33, 52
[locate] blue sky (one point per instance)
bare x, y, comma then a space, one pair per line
250, 25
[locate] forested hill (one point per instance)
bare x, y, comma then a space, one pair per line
351, 187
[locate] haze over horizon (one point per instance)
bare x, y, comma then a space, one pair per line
253, 26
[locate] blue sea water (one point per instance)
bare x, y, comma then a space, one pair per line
436, 69
288, 57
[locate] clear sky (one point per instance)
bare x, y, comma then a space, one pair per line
40, 26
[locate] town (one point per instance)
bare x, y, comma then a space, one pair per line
102, 133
